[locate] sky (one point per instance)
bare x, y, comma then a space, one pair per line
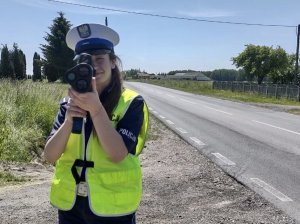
156, 44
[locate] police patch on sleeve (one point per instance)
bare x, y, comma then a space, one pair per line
84, 30
128, 134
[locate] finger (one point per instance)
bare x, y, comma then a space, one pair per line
72, 93
72, 104
77, 112
94, 86
77, 109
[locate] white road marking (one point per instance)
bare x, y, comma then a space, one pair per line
155, 112
271, 190
199, 142
162, 117
283, 129
171, 96
224, 112
182, 130
170, 122
150, 108
224, 159
187, 101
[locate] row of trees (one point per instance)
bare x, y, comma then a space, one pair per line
57, 57
13, 63
226, 75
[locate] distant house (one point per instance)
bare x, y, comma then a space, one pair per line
197, 76
143, 75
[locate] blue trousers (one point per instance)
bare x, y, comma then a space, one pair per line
82, 214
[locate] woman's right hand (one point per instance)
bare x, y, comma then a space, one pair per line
74, 111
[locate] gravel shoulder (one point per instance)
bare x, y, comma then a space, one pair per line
180, 186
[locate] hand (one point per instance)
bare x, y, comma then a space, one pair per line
88, 101
74, 111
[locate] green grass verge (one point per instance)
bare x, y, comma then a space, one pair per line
27, 113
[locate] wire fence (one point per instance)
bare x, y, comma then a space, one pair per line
291, 92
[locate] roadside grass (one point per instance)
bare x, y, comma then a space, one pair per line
152, 129
295, 111
205, 88
27, 113
7, 178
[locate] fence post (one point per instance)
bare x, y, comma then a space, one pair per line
299, 93
276, 91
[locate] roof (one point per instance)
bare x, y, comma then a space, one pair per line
189, 76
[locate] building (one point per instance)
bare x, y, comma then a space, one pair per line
197, 76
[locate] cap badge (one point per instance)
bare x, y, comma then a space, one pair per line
84, 30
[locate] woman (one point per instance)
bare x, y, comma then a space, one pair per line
97, 173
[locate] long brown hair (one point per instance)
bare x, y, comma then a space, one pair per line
110, 101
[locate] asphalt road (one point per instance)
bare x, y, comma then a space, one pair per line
257, 146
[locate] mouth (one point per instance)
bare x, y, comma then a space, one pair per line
99, 74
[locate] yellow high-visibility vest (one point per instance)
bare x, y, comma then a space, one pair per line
114, 189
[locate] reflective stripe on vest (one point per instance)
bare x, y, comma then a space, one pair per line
114, 188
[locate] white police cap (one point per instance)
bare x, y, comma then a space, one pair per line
92, 38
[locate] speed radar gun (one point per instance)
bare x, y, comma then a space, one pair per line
80, 78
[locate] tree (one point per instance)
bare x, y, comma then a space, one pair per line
57, 56
6, 65
132, 73
37, 72
262, 61
281, 66
50, 72
18, 62
24, 62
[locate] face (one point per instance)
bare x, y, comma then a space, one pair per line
103, 66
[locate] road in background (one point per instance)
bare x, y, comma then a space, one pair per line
257, 146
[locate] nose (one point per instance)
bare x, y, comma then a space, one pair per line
94, 63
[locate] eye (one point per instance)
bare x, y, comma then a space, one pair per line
99, 58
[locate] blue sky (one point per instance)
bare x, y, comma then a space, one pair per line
156, 44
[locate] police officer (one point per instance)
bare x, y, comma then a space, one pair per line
97, 175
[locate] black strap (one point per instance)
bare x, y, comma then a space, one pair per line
80, 163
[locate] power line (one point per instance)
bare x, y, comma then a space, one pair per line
173, 17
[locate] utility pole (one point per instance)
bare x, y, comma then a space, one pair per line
297, 57
106, 23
